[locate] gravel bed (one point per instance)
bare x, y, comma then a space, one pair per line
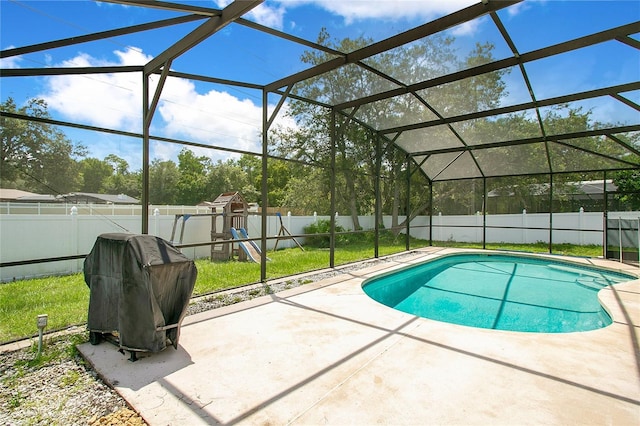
64, 390
229, 297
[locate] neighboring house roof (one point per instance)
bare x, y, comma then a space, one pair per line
14, 194
596, 186
73, 197
88, 197
583, 189
38, 198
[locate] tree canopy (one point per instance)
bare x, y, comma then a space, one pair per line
35, 156
307, 163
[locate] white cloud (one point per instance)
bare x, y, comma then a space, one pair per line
515, 9
164, 151
215, 117
106, 100
132, 56
466, 28
519, 8
271, 16
271, 13
354, 10
11, 62
115, 101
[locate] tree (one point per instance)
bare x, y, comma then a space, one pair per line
227, 176
192, 183
163, 182
251, 165
122, 181
356, 161
628, 183
307, 191
279, 174
311, 142
36, 156
567, 159
94, 174
59, 172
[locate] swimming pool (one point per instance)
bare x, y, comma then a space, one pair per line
498, 291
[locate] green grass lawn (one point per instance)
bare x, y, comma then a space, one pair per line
562, 249
66, 298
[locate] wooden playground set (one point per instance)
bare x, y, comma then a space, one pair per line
229, 213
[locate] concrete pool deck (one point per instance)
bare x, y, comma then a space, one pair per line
325, 353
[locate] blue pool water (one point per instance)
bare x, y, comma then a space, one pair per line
505, 292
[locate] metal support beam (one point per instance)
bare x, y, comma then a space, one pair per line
409, 36
163, 5
484, 212
164, 59
332, 180
264, 187
229, 14
378, 201
579, 96
550, 212
157, 94
407, 238
537, 139
498, 65
430, 212
283, 97
38, 72
97, 36
605, 215
146, 120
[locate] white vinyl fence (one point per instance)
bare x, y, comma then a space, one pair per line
39, 233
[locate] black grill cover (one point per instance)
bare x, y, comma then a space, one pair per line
140, 286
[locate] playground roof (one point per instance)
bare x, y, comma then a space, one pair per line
442, 140
229, 199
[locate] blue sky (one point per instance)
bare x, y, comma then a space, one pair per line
228, 116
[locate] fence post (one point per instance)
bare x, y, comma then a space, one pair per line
74, 237
156, 218
620, 236
289, 227
581, 226
525, 236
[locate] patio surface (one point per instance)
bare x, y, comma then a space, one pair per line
325, 353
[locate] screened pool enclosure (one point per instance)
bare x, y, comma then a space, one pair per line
403, 125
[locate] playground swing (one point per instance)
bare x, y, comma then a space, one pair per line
282, 234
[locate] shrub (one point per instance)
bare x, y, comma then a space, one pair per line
322, 226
